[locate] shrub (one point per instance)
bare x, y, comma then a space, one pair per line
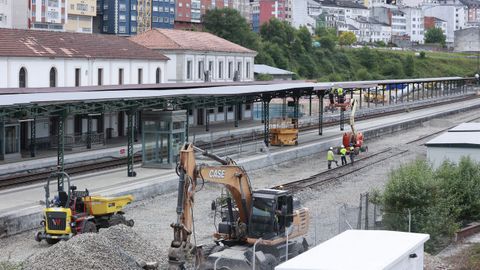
438, 201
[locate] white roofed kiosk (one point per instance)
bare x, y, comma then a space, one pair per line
29, 104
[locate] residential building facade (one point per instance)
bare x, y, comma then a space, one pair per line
304, 14
14, 14
415, 26
434, 22
80, 15
47, 15
119, 17
455, 15
263, 10
163, 14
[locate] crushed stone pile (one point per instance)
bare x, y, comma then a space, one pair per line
117, 247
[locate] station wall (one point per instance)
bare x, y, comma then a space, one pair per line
38, 71
179, 69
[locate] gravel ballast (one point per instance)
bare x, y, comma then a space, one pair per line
117, 247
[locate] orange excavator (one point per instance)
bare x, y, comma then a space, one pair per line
256, 225
353, 138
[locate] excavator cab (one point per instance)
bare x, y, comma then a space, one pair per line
272, 213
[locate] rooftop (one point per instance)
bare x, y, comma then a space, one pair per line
264, 69
169, 39
466, 127
463, 135
358, 250
35, 43
342, 3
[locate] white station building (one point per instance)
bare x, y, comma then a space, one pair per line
363, 250
460, 141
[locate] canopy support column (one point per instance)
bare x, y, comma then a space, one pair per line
320, 112
266, 119
61, 148
33, 137
130, 138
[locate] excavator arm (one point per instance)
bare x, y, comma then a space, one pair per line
233, 177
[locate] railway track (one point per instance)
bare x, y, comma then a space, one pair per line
341, 171
367, 161
74, 169
35, 176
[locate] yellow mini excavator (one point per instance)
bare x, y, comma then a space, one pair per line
260, 221
74, 212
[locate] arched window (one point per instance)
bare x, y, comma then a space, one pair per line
158, 76
22, 78
53, 77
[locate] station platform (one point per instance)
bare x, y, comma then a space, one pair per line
118, 147
20, 207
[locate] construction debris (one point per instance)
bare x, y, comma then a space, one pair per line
117, 247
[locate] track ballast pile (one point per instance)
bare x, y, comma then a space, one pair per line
117, 247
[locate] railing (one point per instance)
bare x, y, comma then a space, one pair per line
72, 141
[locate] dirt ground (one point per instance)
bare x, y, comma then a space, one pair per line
154, 216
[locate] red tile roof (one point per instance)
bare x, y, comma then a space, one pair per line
34, 43
168, 39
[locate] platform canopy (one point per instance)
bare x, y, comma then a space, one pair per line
48, 101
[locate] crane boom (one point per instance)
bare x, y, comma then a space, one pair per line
353, 104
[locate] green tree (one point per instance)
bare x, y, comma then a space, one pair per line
409, 66
435, 35
227, 23
327, 42
347, 38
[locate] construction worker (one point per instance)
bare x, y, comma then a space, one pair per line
343, 155
331, 158
332, 100
340, 95
352, 153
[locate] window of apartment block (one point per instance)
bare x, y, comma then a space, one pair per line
122, 29
248, 107
248, 70
230, 69
122, 17
220, 69
210, 65
140, 76
22, 78
120, 76
189, 69
53, 77
134, 7
122, 7
100, 76
200, 69
220, 109
230, 109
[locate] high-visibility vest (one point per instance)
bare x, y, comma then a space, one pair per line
330, 155
343, 151
340, 91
